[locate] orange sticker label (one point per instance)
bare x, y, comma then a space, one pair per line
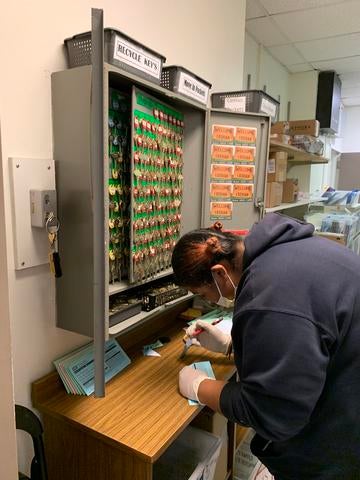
222, 172
242, 191
220, 190
244, 173
245, 135
221, 209
223, 133
245, 154
222, 152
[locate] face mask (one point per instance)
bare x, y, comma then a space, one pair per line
223, 301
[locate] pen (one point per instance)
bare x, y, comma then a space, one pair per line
187, 340
200, 330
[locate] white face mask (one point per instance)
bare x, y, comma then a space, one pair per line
223, 301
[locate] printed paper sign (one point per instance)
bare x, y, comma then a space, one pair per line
245, 135
193, 88
243, 192
244, 173
245, 154
221, 210
222, 153
127, 52
223, 133
268, 107
220, 190
222, 172
237, 104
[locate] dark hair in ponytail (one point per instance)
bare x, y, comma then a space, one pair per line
199, 250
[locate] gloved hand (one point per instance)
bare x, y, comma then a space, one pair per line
189, 381
212, 338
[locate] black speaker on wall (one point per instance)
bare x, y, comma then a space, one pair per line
328, 101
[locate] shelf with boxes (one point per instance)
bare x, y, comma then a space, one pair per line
295, 154
282, 191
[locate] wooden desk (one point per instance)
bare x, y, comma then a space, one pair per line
122, 435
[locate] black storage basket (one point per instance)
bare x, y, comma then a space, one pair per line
79, 52
256, 101
170, 79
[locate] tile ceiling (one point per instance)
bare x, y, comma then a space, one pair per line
306, 35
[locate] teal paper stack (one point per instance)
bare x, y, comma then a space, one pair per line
77, 371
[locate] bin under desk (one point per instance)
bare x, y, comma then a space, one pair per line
121, 435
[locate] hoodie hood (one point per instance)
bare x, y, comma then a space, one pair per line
274, 229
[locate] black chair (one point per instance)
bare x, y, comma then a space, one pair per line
26, 420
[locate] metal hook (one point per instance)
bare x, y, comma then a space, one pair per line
52, 228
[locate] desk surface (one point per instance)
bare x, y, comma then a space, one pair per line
142, 411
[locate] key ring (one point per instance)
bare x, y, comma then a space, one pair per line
54, 228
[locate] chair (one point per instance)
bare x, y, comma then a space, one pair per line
26, 420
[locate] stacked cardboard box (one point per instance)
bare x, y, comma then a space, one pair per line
290, 190
300, 133
276, 175
297, 127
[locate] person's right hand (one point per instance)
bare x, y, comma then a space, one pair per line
212, 338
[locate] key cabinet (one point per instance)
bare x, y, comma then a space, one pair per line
207, 184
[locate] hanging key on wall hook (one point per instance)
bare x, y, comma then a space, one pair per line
52, 227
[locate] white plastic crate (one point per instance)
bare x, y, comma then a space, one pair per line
192, 456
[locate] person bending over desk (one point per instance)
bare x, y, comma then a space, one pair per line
295, 339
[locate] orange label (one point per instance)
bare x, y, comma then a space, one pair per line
245, 135
245, 154
220, 190
221, 209
244, 173
223, 133
222, 172
222, 152
243, 191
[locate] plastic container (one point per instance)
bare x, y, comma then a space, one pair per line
180, 80
192, 456
119, 50
256, 101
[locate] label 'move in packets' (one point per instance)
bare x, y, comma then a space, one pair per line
193, 88
136, 57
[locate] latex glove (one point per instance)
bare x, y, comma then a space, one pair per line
189, 381
212, 338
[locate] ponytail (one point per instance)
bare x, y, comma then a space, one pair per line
199, 250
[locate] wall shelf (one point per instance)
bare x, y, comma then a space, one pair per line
285, 206
295, 155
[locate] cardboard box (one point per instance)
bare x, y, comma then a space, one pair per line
304, 127
281, 138
274, 193
280, 127
277, 166
290, 190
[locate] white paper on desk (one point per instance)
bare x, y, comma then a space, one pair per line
149, 352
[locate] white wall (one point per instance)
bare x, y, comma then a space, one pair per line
265, 70
350, 130
8, 460
206, 36
302, 94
